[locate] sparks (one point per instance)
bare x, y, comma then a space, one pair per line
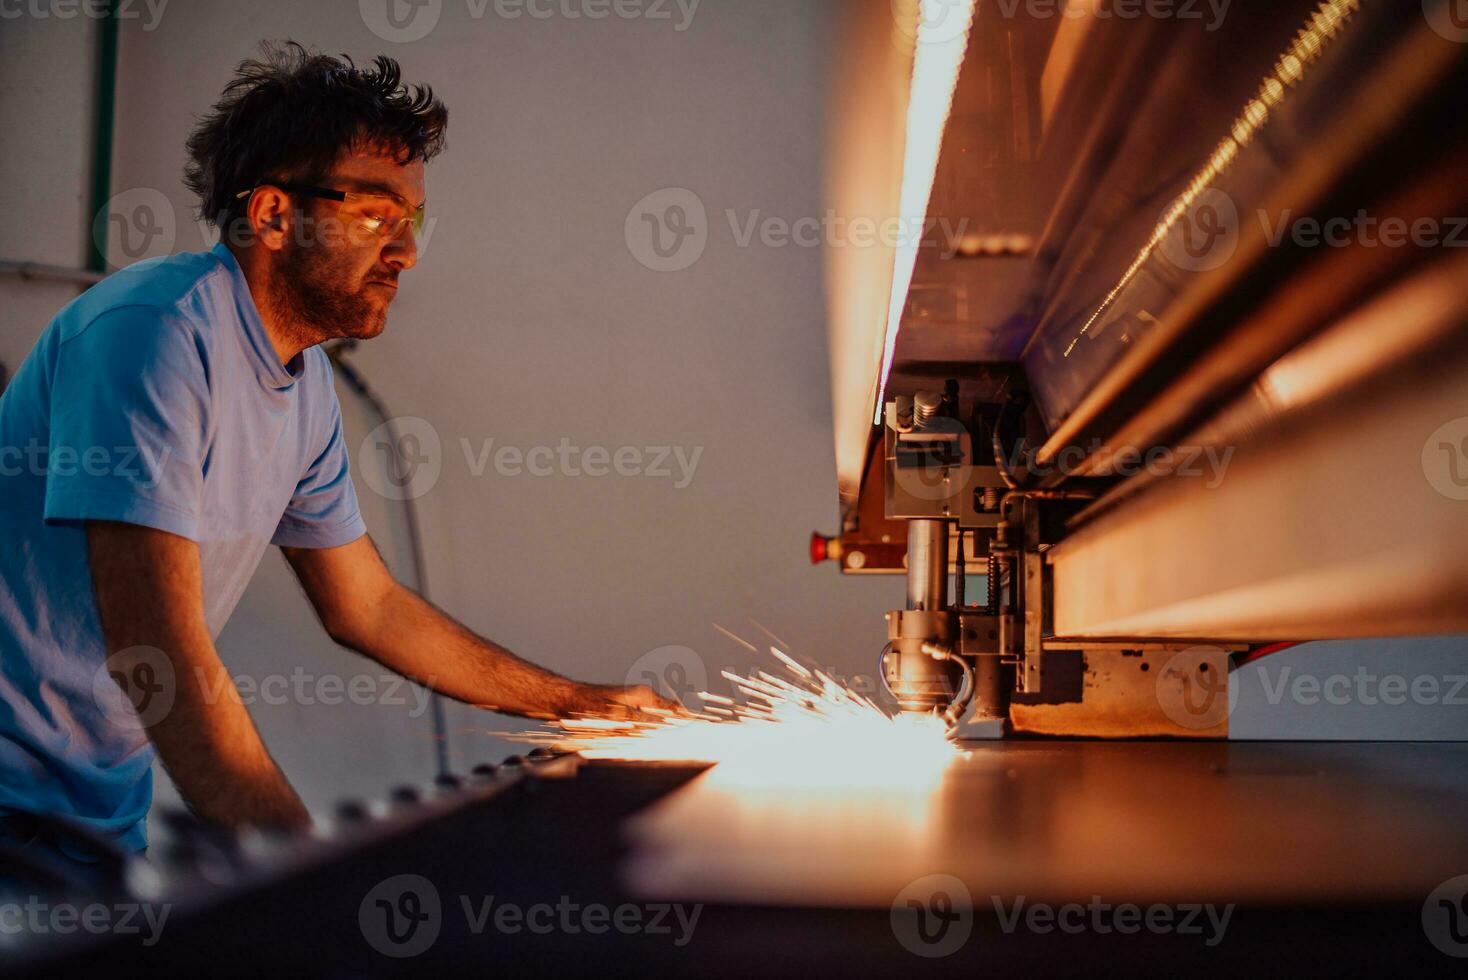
804, 725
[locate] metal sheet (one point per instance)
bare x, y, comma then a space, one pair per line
1059, 821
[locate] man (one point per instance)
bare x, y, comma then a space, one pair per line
177, 419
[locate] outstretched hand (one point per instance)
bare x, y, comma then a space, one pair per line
636, 703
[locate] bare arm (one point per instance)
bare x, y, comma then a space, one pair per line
363, 607
150, 593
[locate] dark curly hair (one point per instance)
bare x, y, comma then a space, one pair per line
292, 113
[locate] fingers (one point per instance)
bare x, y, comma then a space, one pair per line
656, 704
639, 703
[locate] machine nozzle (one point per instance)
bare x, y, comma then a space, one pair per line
918, 665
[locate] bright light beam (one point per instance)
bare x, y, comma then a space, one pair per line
805, 729
936, 62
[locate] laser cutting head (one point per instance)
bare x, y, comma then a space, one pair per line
918, 664
932, 482
919, 672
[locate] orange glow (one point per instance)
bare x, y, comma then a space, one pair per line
935, 68
801, 729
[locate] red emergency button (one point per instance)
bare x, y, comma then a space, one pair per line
823, 548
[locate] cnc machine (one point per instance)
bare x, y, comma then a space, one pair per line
1174, 367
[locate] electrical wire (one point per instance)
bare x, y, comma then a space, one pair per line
354, 380
1259, 653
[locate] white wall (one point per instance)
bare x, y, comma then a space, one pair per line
529, 321
47, 78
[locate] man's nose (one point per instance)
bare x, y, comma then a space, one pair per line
402, 252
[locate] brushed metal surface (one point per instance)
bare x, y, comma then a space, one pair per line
1299, 823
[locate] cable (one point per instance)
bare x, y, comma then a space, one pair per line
882, 671
960, 580
1259, 653
355, 381
1001, 463
959, 705
954, 712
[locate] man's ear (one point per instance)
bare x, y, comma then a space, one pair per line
270, 215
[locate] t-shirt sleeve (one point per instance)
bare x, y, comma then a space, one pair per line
130, 422
323, 513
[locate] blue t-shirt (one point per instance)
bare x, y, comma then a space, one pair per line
155, 398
